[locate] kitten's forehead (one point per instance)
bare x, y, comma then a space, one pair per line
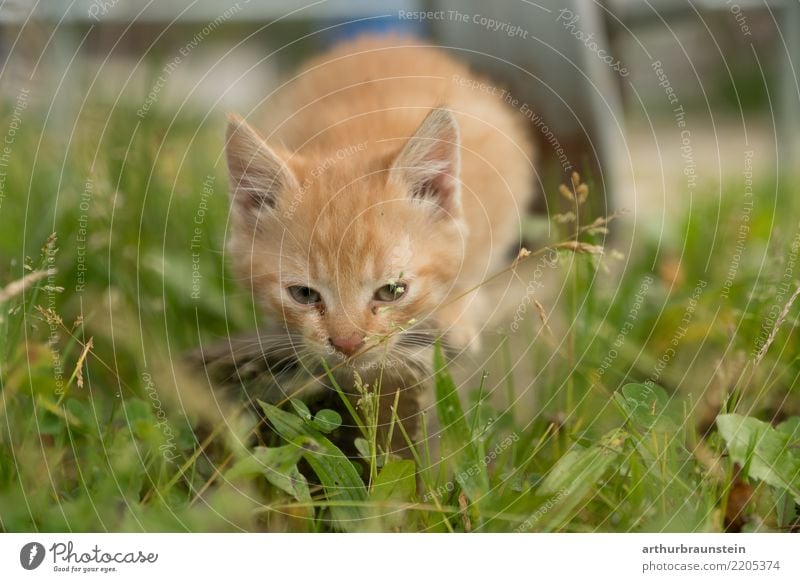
355, 258
325, 176
356, 229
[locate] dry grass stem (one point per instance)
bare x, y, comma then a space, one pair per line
16, 287
778, 322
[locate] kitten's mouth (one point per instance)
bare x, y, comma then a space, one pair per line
388, 352
368, 354
371, 355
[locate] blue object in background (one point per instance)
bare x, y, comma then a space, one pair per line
380, 24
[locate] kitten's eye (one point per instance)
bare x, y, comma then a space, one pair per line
391, 292
305, 295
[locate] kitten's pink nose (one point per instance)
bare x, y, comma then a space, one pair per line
348, 345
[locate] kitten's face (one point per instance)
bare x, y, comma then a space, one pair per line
350, 251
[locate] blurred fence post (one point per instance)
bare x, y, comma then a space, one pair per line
556, 67
789, 105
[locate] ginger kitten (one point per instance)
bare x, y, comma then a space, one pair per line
382, 190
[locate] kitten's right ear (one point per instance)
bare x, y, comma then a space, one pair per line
257, 174
430, 162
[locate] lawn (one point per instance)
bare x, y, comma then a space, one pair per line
650, 385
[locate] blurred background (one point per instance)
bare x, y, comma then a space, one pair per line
584, 68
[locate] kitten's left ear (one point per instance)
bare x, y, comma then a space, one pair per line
430, 162
258, 174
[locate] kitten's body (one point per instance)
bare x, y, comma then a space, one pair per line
383, 164
375, 93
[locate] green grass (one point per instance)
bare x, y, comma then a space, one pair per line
107, 449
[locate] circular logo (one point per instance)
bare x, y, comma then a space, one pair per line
31, 555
